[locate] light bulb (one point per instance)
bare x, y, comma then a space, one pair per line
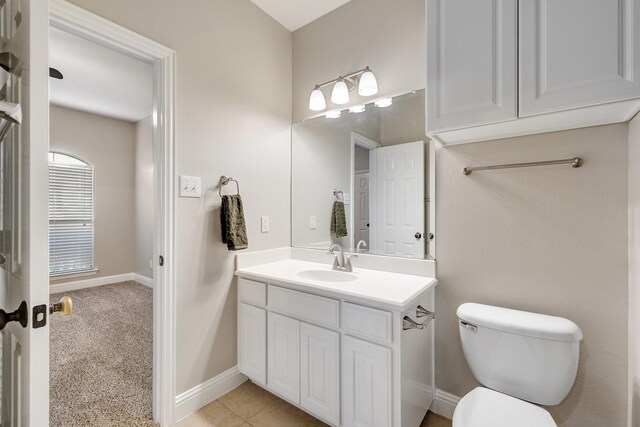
357, 109
316, 100
340, 93
333, 114
368, 85
382, 103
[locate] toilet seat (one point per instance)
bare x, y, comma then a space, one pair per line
483, 407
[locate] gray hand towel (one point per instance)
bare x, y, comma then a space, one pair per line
338, 219
234, 230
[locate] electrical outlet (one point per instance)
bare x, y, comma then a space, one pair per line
190, 186
264, 224
313, 223
151, 264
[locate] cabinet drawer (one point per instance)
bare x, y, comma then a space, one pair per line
304, 306
367, 322
250, 291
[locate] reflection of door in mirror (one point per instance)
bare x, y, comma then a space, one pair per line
399, 201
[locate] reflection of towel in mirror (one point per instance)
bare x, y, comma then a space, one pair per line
338, 220
234, 230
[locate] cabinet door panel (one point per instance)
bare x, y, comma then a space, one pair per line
471, 63
252, 342
576, 53
319, 372
284, 356
366, 384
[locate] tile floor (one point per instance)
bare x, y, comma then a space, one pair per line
251, 405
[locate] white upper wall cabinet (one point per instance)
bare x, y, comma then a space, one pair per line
471, 62
504, 68
577, 53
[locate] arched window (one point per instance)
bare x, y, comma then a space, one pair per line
71, 192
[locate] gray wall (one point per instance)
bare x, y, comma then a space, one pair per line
551, 240
387, 35
144, 199
634, 271
233, 118
109, 145
548, 240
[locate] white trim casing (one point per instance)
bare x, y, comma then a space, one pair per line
444, 404
75, 20
203, 394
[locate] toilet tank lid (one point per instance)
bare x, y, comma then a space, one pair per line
520, 322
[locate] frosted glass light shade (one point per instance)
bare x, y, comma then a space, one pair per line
383, 103
316, 101
340, 93
368, 85
333, 114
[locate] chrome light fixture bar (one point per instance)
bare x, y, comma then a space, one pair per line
363, 79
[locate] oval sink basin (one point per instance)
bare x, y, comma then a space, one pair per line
327, 276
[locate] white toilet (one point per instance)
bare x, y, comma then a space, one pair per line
524, 359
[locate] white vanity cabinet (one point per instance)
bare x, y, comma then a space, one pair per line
501, 68
343, 361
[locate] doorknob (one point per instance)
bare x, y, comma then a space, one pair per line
21, 315
64, 306
418, 235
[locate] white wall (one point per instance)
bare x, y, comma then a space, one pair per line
634, 272
109, 145
233, 118
144, 200
387, 35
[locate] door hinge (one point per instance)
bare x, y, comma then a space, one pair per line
40, 315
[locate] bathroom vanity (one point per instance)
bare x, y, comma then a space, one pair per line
350, 348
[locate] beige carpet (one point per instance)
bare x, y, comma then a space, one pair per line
101, 358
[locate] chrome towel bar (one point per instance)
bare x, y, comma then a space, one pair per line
575, 162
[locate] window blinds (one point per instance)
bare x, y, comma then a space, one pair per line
70, 218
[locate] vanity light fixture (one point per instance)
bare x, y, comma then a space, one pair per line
333, 114
316, 100
382, 103
363, 79
357, 109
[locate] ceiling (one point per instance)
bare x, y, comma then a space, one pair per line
293, 14
99, 80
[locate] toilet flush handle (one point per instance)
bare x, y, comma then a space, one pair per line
469, 326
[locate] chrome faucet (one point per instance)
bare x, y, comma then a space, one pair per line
338, 261
341, 263
361, 244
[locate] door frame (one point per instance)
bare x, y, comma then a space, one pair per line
371, 145
77, 21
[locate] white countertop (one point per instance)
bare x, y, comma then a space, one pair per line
383, 289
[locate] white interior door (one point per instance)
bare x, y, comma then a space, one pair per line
361, 207
400, 200
25, 276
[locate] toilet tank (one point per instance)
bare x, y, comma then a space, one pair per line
531, 356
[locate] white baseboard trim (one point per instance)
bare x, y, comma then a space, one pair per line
147, 281
98, 281
191, 400
444, 404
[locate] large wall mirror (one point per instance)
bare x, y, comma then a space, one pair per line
365, 175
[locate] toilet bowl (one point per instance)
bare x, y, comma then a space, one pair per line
522, 359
